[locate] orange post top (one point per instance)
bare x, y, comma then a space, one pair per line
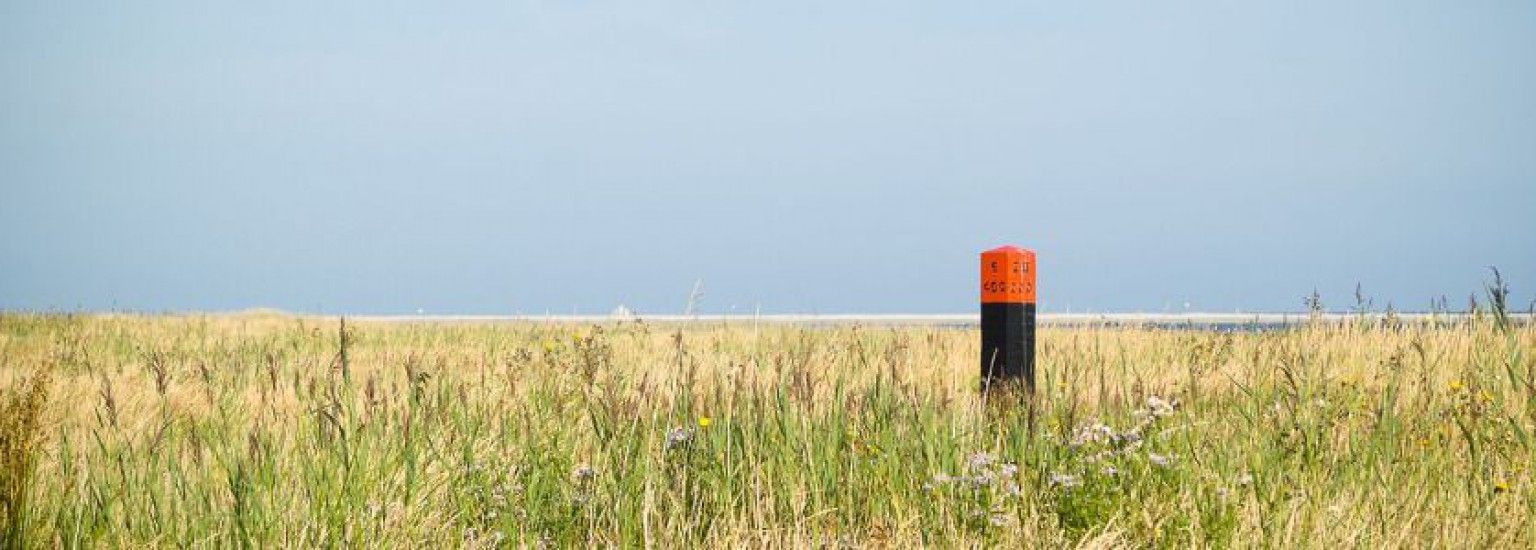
1008, 275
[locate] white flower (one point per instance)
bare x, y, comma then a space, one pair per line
1159, 460
1157, 407
1065, 480
1244, 480
583, 472
1093, 433
980, 460
1111, 471
1008, 470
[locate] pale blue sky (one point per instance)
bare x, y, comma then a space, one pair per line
377, 157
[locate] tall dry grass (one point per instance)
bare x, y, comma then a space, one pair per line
253, 430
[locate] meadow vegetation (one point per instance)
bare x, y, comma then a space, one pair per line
272, 430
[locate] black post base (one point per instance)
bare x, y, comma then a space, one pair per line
1008, 343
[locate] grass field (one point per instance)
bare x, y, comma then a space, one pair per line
281, 431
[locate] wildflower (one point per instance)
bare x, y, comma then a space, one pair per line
679, 436
1093, 433
1500, 486
1157, 407
1065, 481
583, 472
1159, 460
1456, 385
998, 520
1111, 471
1245, 480
705, 421
1008, 470
1125, 439
980, 460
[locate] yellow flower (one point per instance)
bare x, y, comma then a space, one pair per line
1456, 385
704, 421
549, 346
1500, 486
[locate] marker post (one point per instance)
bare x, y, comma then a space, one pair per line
1008, 317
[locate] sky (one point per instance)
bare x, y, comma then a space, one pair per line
786, 156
